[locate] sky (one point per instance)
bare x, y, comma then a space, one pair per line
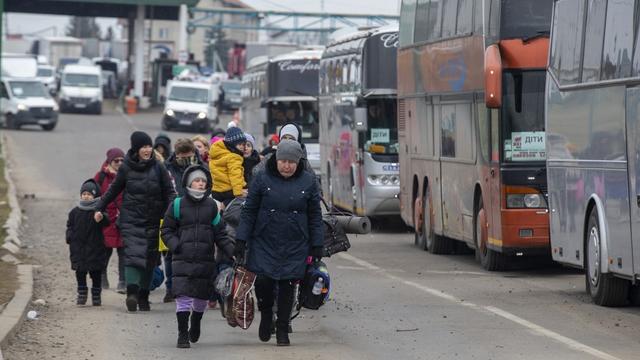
27, 23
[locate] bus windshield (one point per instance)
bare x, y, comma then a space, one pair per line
523, 116
525, 19
303, 113
382, 135
189, 94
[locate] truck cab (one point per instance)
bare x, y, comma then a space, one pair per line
81, 89
191, 105
26, 101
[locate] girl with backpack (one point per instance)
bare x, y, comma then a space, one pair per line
192, 228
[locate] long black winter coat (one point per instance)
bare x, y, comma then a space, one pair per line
281, 221
192, 239
177, 171
86, 242
148, 190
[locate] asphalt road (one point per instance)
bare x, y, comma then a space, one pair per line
389, 300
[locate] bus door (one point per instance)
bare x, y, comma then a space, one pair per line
493, 210
633, 163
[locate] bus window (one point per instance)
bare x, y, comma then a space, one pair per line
434, 24
407, 21
465, 17
464, 142
302, 113
422, 17
618, 40
449, 18
483, 131
594, 34
525, 18
448, 131
566, 47
382, 135
523, 116
495, 135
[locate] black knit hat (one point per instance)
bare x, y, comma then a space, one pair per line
90, 186
234, 136
140, 139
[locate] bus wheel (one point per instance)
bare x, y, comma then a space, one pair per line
490, 260
418, 224
605, 289
435, 244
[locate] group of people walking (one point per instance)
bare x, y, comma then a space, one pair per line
187, 187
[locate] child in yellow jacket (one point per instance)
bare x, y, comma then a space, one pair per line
225, 164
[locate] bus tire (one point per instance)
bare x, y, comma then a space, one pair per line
419, 238
490, 259
604, 289
434, 243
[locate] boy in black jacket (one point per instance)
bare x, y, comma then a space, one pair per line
86, 243
192, 228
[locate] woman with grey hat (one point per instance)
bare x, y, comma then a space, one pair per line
281, 225
147, 192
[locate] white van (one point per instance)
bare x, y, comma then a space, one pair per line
81, 89
47, 75
191, 105
27, 101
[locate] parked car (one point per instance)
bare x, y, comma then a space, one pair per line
26, 101
81, 89
191, 105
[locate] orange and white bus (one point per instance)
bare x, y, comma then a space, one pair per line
471, 80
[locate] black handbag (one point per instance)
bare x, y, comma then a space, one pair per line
335, 238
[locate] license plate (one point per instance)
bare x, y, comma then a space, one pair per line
185, 122
80, 106
43, 122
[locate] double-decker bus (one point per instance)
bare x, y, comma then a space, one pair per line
358, 127
593, 142
471, 78
279, 90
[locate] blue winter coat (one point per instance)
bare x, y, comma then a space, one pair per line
281, 221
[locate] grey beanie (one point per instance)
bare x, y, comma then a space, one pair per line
290, 129
289, 150
195, 174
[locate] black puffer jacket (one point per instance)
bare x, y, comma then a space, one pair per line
86, 242
148, 191
281, 221
177, 171
248, 164
192, 239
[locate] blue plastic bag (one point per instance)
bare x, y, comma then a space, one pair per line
157, 279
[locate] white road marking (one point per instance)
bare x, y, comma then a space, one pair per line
128, 118
537, 329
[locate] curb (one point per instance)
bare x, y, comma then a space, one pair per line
14, 313
12, 225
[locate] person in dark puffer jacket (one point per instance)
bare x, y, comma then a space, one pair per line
251, 158
87, 251
281, 225
192, 238
148, 191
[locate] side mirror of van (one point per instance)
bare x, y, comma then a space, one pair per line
360, 119
493, 77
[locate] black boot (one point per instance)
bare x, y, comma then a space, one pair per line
96, 299
132, 298
143, 300
282, 335
83, 293
266, 322
183, 329
168, 296
194, 331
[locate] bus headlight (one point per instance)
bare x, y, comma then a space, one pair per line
526, 201
384, 180
202, 115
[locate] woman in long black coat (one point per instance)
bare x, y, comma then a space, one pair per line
148, 190
281, 225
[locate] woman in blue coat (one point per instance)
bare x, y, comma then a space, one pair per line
281, 225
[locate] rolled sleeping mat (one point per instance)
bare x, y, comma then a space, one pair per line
354, 224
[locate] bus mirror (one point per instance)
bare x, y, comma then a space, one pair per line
360, 121
492, 77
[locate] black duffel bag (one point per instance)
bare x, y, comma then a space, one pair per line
335, 238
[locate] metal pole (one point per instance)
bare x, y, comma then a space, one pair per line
183, 54
139, 46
